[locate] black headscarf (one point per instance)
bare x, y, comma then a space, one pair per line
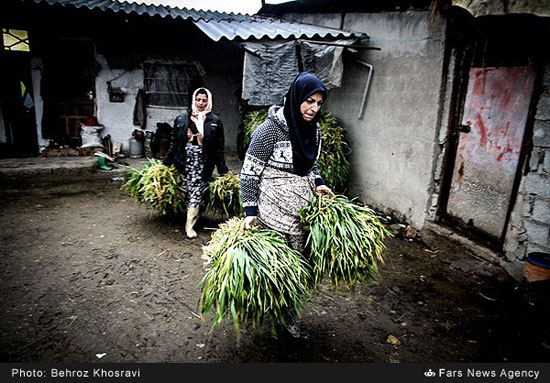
303, 134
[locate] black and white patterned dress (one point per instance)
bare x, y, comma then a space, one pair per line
193, 179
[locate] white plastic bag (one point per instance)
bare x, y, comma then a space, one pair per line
90, 136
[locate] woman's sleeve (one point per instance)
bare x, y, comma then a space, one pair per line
318, 178
255, 160
220, 150
315, 169
179, 124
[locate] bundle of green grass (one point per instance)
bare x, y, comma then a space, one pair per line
253, 275
346, 240
251, 121
224, 196
333, 162
157, 185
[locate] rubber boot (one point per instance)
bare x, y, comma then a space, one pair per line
103, 164
192, 217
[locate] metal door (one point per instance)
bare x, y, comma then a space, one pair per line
493, 125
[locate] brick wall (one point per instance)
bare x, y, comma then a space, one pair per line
530, 224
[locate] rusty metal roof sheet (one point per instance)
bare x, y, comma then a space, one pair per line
216, 25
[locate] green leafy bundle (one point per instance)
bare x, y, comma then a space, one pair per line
224, 196
253, 275
346, 239
251, 121
157, 185
333, 162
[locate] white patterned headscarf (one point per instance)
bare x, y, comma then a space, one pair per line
199, 117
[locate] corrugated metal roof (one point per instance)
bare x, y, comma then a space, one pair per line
267, 28
216, 25
140, 9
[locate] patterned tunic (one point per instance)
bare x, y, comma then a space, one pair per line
269, 187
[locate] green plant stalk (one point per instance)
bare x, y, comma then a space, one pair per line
346, 240
253, 275
157, 185
224, 196
333, 162
251, 121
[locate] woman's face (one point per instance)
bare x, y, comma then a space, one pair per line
311, 106
201, 100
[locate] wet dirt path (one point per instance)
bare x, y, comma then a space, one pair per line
88, 275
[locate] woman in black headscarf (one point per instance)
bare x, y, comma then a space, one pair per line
279, 174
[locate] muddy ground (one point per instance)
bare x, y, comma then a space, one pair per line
88, 275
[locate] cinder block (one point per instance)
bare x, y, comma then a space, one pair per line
541, 134
538, 184
546, 161
534, 160
543, 108
537, 232
541, 211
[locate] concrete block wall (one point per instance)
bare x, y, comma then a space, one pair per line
529, 228
396, 143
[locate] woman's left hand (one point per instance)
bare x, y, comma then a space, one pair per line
200, 138
323, 190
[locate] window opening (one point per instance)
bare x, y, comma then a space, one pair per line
15, 40
168, 85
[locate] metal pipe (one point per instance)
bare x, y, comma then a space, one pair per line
371, 69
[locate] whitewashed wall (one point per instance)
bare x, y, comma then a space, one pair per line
117, 117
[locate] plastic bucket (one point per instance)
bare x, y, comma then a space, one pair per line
537, 267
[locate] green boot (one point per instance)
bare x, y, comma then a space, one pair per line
103, 164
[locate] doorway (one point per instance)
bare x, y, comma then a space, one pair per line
494, 88
68, 89
491, 135
18, 136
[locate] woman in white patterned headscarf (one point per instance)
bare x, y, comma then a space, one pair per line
197, 146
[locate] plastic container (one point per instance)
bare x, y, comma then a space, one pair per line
537, 267
136, 148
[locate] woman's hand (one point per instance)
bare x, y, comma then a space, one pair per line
199, 138
249, 222
323, 190
190, 136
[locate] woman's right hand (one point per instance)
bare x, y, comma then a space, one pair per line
249, 222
